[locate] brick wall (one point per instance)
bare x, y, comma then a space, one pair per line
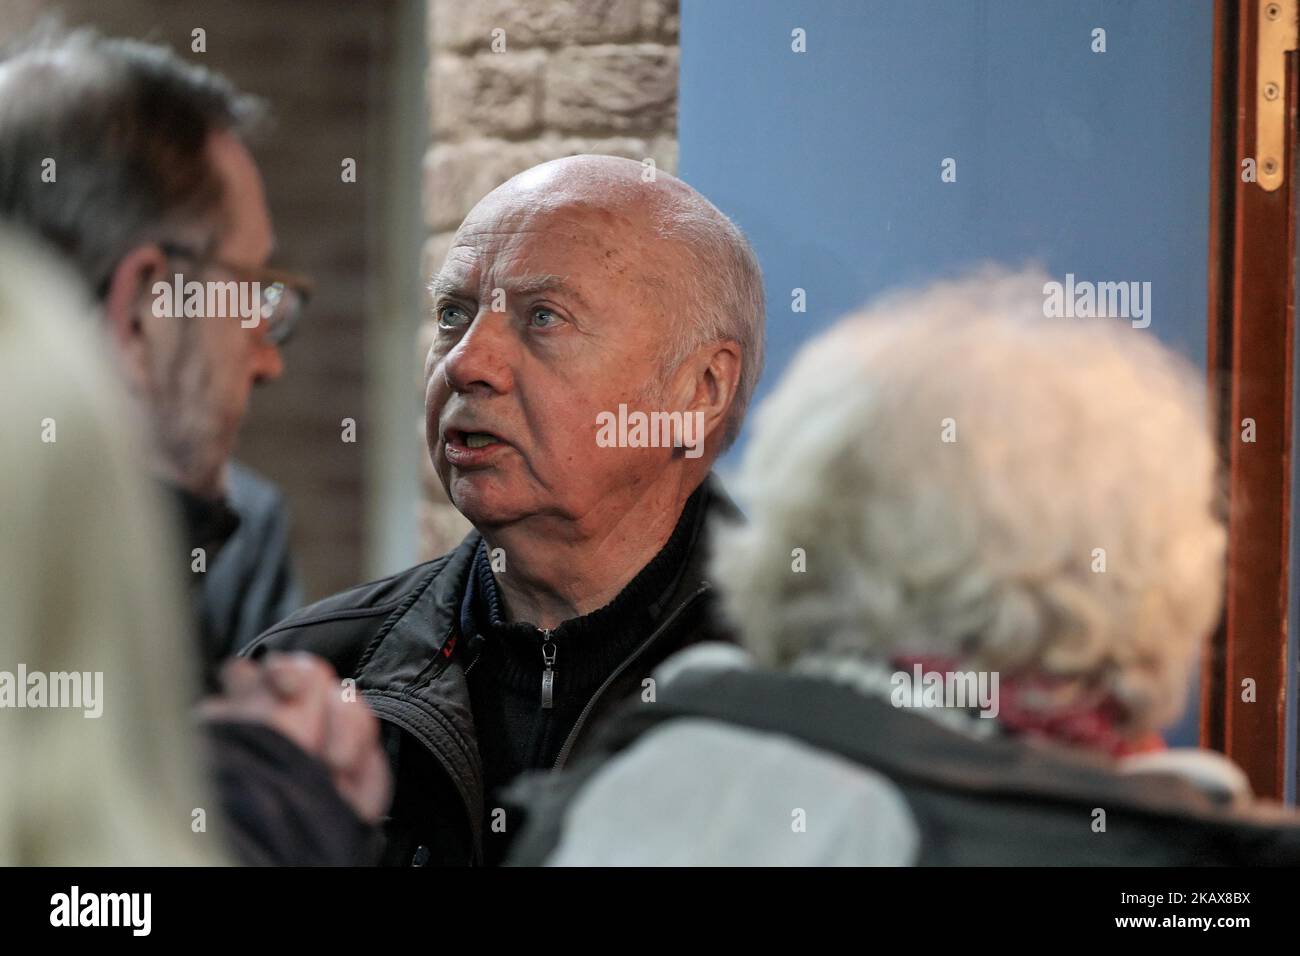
574, 76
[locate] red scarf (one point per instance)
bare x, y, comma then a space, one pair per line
1091, 725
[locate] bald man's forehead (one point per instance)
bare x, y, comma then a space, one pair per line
509, 208
602, 238
609, 259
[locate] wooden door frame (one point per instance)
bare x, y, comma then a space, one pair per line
1251, 376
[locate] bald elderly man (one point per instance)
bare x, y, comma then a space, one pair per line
600, 332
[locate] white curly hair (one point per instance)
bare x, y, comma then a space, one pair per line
959, 470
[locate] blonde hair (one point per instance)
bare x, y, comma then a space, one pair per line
91, 582
971, 479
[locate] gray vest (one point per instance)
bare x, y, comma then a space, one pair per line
996, 802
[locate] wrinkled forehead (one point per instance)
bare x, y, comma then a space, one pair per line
589, 242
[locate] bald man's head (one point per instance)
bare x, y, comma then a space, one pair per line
680, 247
606, 182
576, 288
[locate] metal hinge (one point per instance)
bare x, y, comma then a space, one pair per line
1277, 38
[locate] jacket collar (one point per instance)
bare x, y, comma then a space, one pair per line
207, 523
413, 679
418, 640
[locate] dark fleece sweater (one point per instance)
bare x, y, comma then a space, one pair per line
516, 730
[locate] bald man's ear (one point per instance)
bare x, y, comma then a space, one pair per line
717, 377
126, 309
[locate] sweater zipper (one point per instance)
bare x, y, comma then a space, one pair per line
582, 717
548, 674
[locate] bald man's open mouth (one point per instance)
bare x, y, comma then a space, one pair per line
471, 446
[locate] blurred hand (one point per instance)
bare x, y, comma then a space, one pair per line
299, 695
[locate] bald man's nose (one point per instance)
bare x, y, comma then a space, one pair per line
481, 359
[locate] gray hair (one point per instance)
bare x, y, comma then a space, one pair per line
125, 123
724, 288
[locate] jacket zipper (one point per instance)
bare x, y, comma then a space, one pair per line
586, 711
548, 675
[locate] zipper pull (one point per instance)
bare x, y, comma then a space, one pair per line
548, 675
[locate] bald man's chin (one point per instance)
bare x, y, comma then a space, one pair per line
485, 499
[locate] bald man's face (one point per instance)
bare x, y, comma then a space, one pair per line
546, 318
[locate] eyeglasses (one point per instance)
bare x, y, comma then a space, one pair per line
284, 294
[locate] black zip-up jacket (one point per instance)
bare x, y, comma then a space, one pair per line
400, 640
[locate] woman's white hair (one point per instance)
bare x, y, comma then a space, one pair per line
90, 581
972, 480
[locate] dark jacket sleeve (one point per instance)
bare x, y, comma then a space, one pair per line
280, 806
251, 585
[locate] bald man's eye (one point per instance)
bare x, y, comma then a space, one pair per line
452, 317
544, 319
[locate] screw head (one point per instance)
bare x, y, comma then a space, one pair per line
1269, 166
1273, 11
1271, 91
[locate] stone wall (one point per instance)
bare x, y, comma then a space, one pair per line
513, 83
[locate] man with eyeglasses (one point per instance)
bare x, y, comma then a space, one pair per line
133, 164
258, 296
